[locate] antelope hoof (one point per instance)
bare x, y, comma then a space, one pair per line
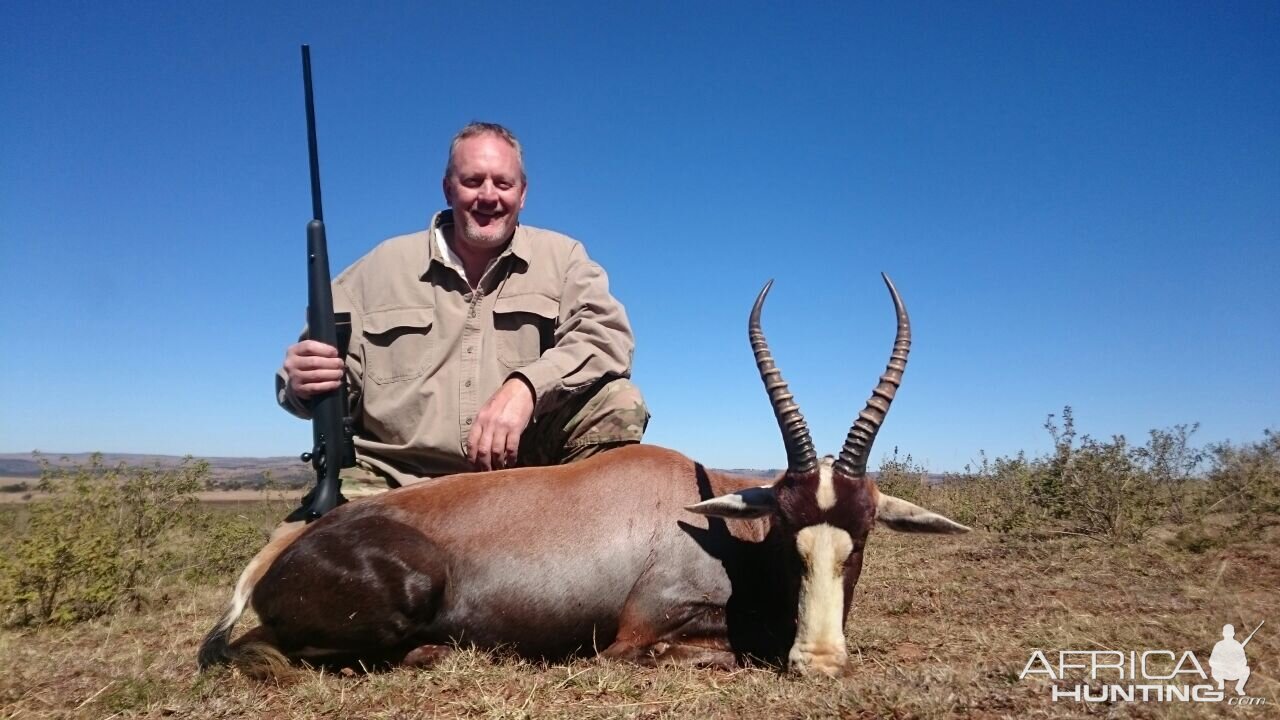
813, 664
425, 656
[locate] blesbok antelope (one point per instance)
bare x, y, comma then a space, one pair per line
639, 551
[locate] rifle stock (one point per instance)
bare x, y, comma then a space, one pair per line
332, 447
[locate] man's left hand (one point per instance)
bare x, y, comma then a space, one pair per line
494, 440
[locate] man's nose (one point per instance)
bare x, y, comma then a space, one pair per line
488, 193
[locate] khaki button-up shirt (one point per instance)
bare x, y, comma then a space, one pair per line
427, 350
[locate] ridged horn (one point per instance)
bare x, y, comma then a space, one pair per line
801, 458
852, 461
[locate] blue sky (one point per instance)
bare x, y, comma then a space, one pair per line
1079, 202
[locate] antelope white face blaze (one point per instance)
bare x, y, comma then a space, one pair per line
826, 485
819, 645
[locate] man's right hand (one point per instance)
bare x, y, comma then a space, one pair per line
312, 368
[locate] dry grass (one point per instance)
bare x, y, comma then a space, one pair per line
941, 629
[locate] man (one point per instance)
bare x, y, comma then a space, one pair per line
479, 343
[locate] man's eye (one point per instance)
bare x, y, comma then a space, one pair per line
471, 183
504, 186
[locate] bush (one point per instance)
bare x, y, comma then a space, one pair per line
96, 541
1245, 480
227, 544
1109, 490
996, 495
1173, 464
1101, 489
903, 478
229, 537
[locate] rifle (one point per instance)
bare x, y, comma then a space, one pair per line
331, 430
1255, 630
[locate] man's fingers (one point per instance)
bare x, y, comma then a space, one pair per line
483, 449
312, 362
493, 443
472, 444
298, 363
308, 382
513, 450
307, 390
505, 451
312, 368
493, 448
498, 449
315, 348
494, 440
482, 459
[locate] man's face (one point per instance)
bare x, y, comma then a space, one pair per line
486, 190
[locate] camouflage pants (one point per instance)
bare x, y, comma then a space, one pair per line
610, 414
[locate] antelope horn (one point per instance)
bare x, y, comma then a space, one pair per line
801, 458
857, 446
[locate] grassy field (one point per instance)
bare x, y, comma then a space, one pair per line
941, 628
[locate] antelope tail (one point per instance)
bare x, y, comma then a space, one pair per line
216, 648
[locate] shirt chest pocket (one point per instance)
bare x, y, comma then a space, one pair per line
524, 326
398, 343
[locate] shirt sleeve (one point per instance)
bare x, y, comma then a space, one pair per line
285, 397
593, 338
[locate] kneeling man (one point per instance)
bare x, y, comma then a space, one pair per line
478, 343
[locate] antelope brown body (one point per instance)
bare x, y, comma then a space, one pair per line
638, 553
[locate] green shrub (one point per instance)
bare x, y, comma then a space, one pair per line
1245, 480
996, 495
1111, 489
96, 541
1106, 492
228, 542
1108, 489
903, 478
1174, 465
229, 536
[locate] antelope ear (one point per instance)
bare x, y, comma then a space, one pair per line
898, 514
750, 503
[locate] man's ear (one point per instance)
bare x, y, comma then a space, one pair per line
750, 503
448, 192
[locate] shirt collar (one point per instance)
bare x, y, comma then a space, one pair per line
440, 250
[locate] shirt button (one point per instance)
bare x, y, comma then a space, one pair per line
468, 421
468, 351
467, 383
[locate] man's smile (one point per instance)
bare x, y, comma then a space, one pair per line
483, 217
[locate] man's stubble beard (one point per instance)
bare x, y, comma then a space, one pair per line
486, 238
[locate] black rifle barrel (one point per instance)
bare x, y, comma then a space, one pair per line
317, 209
331, 430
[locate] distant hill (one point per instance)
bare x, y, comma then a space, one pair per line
765, 475
224, 472
762, 474
235, 472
